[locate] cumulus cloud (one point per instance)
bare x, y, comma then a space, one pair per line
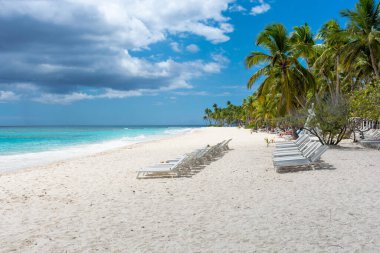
236, 8
6, 96
261, 8
175, 47
134, 23
136, 77
51, 98
48, 98
192, 48
62, 48
201, 93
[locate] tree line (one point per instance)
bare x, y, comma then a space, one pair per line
335, 71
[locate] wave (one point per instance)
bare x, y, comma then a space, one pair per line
14, 162
177, 131
134, 138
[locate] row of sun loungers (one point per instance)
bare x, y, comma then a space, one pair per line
372, 134
368, 135
371, 139
179, 165
303, 152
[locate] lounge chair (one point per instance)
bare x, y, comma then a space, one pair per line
373, 135
214, 150
375, 144
297, 149
175, 166
305, 150
225, 145
299, 141
171, 168
298, 160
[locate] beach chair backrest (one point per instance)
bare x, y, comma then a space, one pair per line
318, 153
301, 139
202, 152
312, 148
181, 161
369, 132
218, 146
198, 154
305, 140
305, 145
376, 134
210, 150
226, 143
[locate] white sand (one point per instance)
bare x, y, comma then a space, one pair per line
236, 204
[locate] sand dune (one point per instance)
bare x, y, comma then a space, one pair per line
235, 204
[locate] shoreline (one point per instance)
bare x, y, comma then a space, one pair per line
15, 162
237, 203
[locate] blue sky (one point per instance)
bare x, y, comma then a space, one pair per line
115, 62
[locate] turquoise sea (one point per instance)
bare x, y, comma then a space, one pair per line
27, 146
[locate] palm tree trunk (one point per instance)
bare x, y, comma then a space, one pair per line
373, 61
337, 75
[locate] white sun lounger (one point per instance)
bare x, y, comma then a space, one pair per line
163, 168
213, 151
225, 145
293, 142
172, 167
296, 161
304, 138
305, 150
372, 135
304, 144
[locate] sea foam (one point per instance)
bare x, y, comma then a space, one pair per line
14, 162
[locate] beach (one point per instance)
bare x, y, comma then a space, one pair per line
238, 203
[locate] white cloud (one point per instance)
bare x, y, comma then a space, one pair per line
134, 23
25, 87
65, 99
236, 8
201, 93
261, 8
7, 96
50, 98
213, 34
191, 93
234, 87
192, 48
176, 74
111, 93
112, 29
175, 47
220, 59
46, 68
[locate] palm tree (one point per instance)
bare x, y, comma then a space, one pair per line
207, 115
334, 41
302, 41
283, 73
217, 114
363, 27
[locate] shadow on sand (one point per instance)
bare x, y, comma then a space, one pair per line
319, 166
189, 172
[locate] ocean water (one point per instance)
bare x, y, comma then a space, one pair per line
29, 146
